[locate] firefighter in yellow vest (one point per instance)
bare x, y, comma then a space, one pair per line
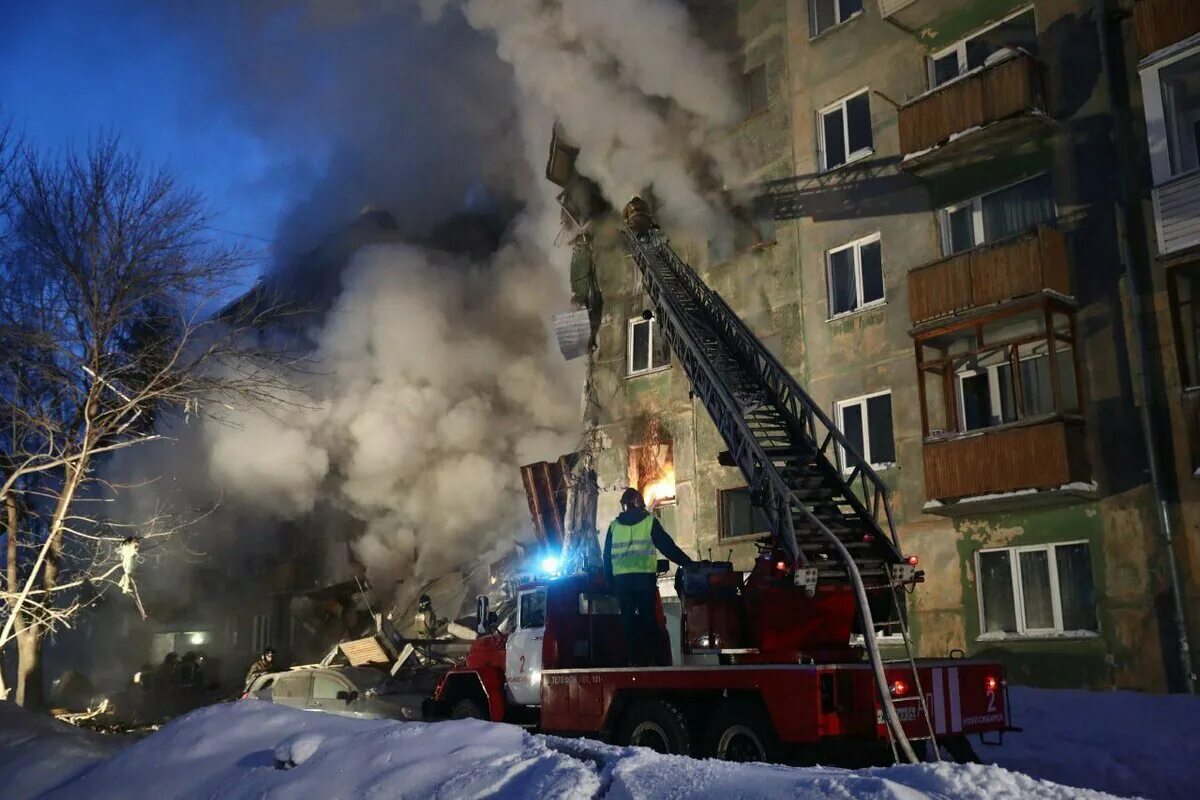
631, 548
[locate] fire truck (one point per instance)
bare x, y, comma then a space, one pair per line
777, 663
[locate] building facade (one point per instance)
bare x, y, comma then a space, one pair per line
933, 238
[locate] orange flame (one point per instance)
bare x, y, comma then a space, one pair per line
660, 490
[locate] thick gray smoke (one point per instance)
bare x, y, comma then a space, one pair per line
436, 378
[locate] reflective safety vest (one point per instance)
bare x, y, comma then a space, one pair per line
633, 548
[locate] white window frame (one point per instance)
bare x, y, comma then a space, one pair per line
630, 371
839, 408
1014, 566
993, 371
960, 48
1157, 135
976, 205
840, 106
857, 246
813, 33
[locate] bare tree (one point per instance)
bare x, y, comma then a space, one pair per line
109, 281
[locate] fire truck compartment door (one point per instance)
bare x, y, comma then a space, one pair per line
523, 653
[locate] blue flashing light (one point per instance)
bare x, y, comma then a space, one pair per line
550, 565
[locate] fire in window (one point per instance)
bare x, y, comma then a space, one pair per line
652, 471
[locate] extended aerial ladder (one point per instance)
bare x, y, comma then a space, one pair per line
828, 510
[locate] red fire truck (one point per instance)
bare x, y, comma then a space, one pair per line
777, 663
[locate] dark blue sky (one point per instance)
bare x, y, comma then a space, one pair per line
69, 69
290, 116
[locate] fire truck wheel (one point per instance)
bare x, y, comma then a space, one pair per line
467, 709
655, 724
741, 732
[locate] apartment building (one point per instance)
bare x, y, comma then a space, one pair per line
931, 242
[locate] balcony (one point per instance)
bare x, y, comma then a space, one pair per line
1021, 458
987, 113
1177, 214
1023, 265
915, 15
1162, 23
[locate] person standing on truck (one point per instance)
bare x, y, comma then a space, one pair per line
631, 549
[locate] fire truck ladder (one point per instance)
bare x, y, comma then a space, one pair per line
826, 518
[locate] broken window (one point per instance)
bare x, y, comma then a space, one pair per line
997, 215
652, 472
867, 424
845, 130
754, 90
648, 350
855, 275
825, 14
739, 517
1036, 589
1017, 32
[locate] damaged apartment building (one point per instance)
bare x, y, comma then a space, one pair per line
970, 230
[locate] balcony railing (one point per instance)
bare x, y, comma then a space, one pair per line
1007, 89
1040, 455
1177, 213
1162, 23
1015, 267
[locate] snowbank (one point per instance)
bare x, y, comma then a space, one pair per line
253, 750
1127, 743
38, 752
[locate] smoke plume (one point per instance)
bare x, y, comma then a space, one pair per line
435, 375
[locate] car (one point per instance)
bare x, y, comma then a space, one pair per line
363, 692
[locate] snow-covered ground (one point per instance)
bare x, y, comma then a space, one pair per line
1121, 742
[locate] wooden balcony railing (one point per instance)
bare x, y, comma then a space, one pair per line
1161, 23
1014, 267
1005, 89
1045, 455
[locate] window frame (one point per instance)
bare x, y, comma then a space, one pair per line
1014, 567
860, 305
959, 48
839, 105
813, 33
630, 372
976, 205
994, 397
747, 76
1157, 134
838, 408
722, 501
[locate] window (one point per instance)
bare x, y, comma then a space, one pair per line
1016, 32
291, 686
326, 687
648, 351
1185, 291
1037, 589
867, 425
1171, 90
987, 392
753, 228
533, 609
855, 276
997, 215
845, 130
1180, 83
825, 14
261, 637
754, 90
739, 517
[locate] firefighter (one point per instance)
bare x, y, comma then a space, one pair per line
631, 561
265, 663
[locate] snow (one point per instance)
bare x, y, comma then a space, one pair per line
1076, 745
1127, 743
